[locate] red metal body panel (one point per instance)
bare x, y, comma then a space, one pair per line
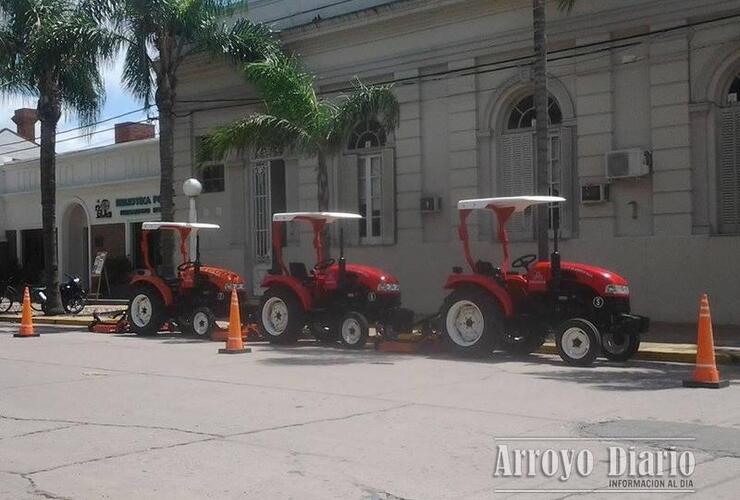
291, 283
488, 284
593, 277
157, 283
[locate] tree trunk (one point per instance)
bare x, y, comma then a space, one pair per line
322, 185
49, 111
541, 130
165, 103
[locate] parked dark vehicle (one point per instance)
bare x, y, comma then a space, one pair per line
74, 295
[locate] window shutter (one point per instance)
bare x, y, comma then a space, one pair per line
516, 177
348, 197
388, 223
568, 217
729, 171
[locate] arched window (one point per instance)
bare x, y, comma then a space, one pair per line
516, 163
523, 114
728, 165
367, 134
733, 93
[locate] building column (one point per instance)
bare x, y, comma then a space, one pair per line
408, 158
595, 129
462, 105
669, 102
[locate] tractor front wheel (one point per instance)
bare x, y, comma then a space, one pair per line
578, 342
620, 346
354, 330
471, 321
146, 310
281, 317
202, 322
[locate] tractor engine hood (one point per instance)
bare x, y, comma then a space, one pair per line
223, 278
602, 281
374, 279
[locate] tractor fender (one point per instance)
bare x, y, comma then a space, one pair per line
156, 282
293, 284
457, 280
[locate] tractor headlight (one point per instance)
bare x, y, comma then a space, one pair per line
386, 287
617, 290
239, 287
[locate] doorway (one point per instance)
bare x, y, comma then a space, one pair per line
268, 197
76, 250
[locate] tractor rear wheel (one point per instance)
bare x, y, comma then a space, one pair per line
281, 317
578, 342
471, 321
147, 311
619, 346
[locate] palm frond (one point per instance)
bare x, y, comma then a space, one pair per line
288, 91
365, 102
258, 131
242, 42
566, 5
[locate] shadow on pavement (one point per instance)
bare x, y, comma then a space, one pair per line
633, 376
314, 354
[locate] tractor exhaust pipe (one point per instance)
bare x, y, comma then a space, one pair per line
342, 261
555, 256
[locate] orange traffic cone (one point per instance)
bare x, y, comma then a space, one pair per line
705, 373
26, 329
234, 343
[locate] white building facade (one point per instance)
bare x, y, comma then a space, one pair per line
655, 77
103, 196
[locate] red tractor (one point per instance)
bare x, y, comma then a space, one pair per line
587, 307
336, 300
193, 297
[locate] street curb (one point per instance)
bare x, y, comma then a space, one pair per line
671, 354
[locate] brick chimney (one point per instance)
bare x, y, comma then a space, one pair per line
132, 131
25, 119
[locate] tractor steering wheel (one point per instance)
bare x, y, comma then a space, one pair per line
524, 261
324, 264
186, 265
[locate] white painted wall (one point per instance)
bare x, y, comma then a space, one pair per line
660, 94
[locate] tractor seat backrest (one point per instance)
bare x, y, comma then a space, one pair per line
487, 269
298, 270
166, 272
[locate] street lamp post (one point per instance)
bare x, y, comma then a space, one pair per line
192, 189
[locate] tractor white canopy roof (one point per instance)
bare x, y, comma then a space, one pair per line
519, 203
150, 226
328, 217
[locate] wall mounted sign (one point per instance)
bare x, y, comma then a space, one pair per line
102, 209
138, 205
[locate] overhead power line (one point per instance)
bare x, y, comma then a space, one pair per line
501, 65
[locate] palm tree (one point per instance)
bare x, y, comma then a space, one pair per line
51, 50
161, 34
297, 119
539, 19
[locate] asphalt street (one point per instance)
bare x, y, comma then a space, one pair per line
88, 416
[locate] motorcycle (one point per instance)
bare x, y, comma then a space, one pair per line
74, 296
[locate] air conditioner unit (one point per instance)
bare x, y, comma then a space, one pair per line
430, 204
594, 193
626, 163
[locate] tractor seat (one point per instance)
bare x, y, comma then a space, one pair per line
298, 270
166, 272
487, 269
